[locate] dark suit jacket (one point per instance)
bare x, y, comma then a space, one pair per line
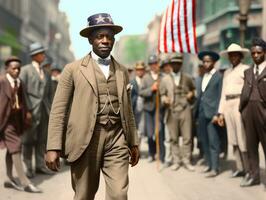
210, 98
247, 88
6, 103
134, 94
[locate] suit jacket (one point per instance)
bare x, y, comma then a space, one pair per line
247, 88
38, 91
6, 103
210, 98
146, 92
77, 94
167, 87
134, 94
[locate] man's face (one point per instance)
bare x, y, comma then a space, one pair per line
208, 63
235, 58
13, 69
102, 41
176, 66
140, 72
155, 67
258, 54
39, 57
167, 68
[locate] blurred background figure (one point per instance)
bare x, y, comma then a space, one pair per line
39, 98
137, 100
14, 119
55, 76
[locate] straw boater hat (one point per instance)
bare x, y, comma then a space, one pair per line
98, 21
140, 65
234, 48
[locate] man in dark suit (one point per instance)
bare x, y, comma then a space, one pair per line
39, 98
207, 110
253, 110
14, 117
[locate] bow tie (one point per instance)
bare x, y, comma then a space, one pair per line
104, 61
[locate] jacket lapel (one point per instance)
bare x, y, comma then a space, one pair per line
87, 69
212, 78
263, 74
119, 75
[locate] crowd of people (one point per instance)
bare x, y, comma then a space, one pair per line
218, 107
26, 95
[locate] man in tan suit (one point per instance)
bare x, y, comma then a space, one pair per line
177, 92
92, 103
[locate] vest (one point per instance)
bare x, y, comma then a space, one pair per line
180, 100
108, 107
255, 94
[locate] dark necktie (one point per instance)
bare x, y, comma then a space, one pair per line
256, 71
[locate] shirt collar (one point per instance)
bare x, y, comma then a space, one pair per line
96, 57
212, 71
11, 79
262, 65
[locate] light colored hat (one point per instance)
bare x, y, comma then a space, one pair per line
36, 48
234, 48
140, 65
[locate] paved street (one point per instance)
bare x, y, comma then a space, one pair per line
146, 183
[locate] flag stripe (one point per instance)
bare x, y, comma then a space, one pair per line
165, 31
194, 26
178, 27
186, 26
172, 26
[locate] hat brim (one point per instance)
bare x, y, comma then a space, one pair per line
12, 60
225, 53
37, 51
87, 31
214, 55
176, 60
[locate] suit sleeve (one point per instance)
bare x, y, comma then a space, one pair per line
133, 140
60, 108
163, 90
220, 84
24, 78
145, 90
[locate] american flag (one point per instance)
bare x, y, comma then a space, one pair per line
178, 28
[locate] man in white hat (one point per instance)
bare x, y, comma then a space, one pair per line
229, 103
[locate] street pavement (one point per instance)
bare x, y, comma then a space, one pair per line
147, 183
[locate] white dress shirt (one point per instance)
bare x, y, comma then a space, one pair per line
105, 68
177, 77
38, 69
154, 75
261, 67
206, 78
12, 81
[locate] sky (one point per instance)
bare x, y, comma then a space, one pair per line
133, 15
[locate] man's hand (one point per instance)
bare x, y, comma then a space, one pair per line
28, 119
154, 86
215, 119
166, 101
221, 121
190, 96
134, 155
52, 160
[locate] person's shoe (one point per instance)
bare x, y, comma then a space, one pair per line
189, 167
29, 174
45, 171
175, 167
150, 159
249, 182
212, 174
13, 184
206, 170
32, 188
200, 161
237, 173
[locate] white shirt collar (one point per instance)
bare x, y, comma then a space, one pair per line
211, 72
12, 80
96, 57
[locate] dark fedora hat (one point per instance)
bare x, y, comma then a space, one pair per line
215, 56
153, 59
11, 59
36, 48
97, 21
